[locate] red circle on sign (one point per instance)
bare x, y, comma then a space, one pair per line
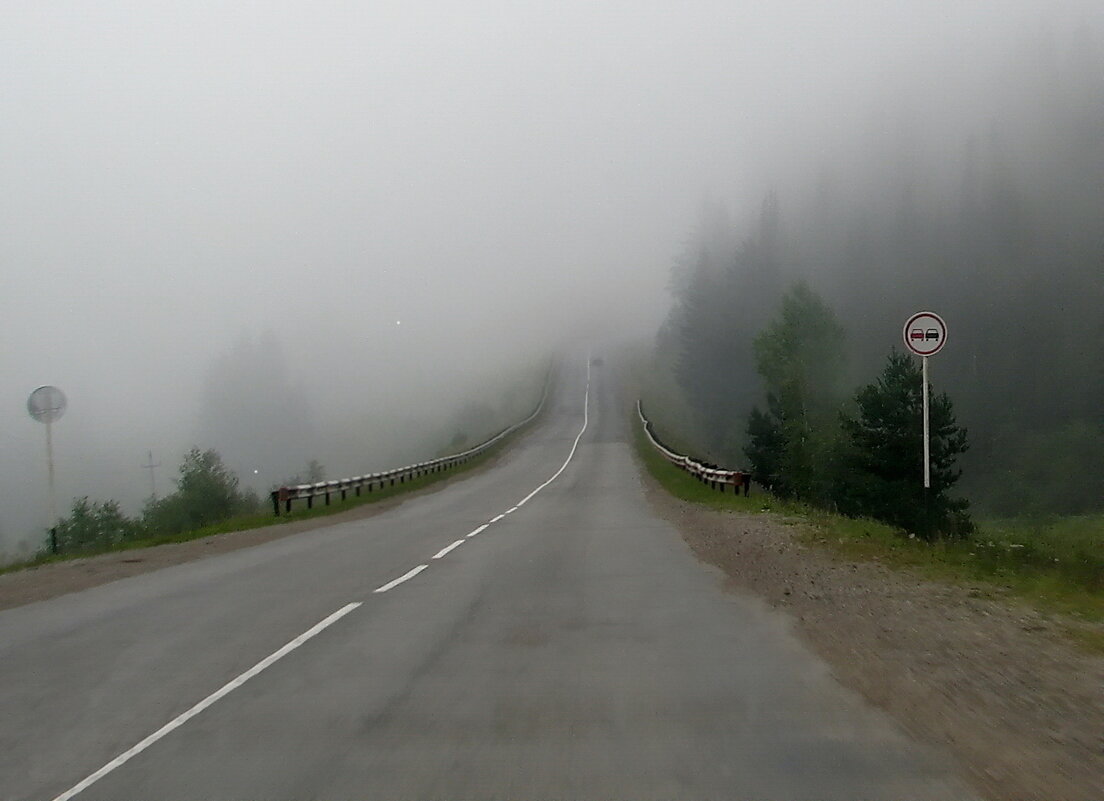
925, 333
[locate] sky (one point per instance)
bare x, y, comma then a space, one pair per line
406, 202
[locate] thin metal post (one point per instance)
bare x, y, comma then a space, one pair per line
927, 430
52, 503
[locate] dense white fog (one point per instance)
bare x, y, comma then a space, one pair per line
294, 230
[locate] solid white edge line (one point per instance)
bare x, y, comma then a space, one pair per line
574, 447
404, 577
444, 551
230, 686
479, 530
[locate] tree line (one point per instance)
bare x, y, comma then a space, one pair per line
1000, 232
860, 456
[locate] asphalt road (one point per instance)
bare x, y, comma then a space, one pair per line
571, 649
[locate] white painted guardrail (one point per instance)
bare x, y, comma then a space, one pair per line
716, 477
283, 496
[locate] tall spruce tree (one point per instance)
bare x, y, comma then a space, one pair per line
885, 480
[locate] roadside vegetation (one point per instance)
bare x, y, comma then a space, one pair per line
208, 502
847, 465
1054, 563
859, 455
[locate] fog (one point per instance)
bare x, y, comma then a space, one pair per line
369, 216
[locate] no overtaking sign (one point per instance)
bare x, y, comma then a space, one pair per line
925, 333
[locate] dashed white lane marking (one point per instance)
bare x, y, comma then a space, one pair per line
229, 687
444, 551
404, 577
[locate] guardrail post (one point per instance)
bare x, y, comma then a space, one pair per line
53, 540
310, 501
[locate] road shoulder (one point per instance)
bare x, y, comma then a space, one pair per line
994, 683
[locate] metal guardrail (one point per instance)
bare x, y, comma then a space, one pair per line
283, 496
718, 478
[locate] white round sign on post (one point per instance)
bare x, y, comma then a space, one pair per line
925, 333
46, 404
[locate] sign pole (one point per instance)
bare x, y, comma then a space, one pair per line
927, 430
50, 473
46, 405
51, 522
925, 335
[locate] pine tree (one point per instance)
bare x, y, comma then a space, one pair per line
886, 459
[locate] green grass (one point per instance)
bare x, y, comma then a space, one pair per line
266, 518
1056, 565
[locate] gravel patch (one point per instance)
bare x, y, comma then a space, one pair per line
994, 683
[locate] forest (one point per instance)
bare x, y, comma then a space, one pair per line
994, 220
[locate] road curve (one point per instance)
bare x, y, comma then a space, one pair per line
459, 645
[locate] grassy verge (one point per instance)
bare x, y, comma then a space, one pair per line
1056, 565
266, 518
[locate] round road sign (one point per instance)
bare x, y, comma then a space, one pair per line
925, 333
46, 404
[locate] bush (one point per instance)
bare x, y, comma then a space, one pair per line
207, 493
94, 525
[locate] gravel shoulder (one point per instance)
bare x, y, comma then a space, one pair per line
995, 684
